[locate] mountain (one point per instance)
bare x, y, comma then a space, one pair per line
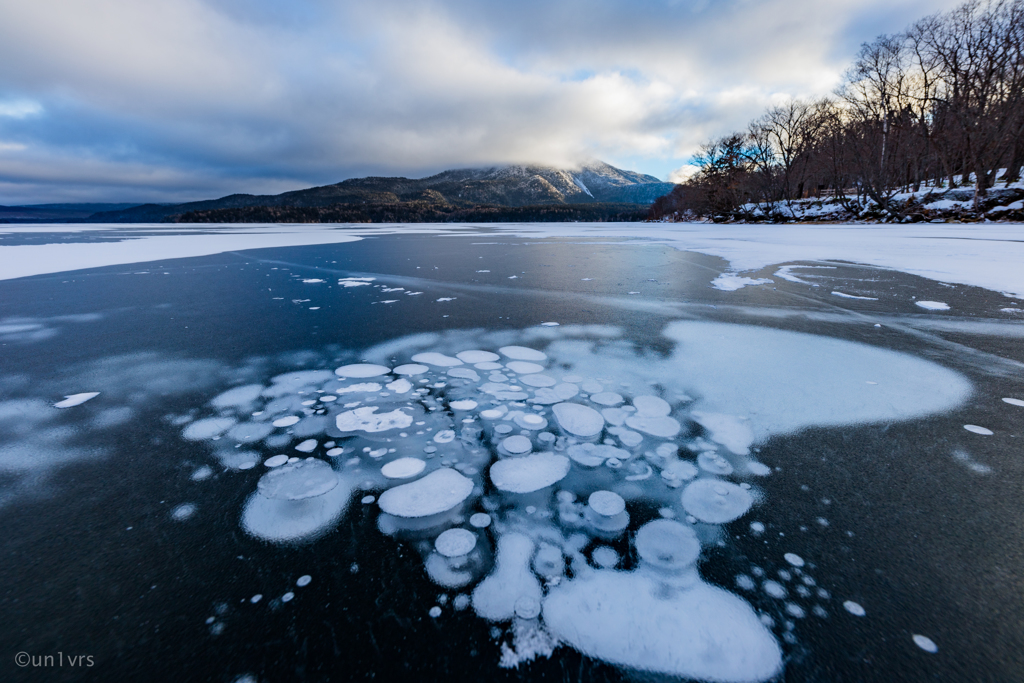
54, 213
452, 193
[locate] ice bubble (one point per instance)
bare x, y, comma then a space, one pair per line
438, 492
282, 521
464, 373
537, 381
626, 619
794, 610
77, 399
522, 353
565, 391
975, 429
247, 432
455, 542
238, 397
517, 445
578, 420
207, 428
606, 398
460, 602
794, 559
247, 465
530, 421
757, 527
925, 643
411, 369
335, 452
366, 500
296, 481
491, 414
527, 607
631, 439
444, 436
495, 597
202, 474
667, 545
529, 473
256, 598
854, 609
437, 359
276, 460
303, 580
933, 305
183, 512
403, 468
481, 520
715, 501
652, 406
605, 557
592, 455
606, 503
365, 419
775, 589
399, 386
732, 432
488, 366
550, 324
659, 426
286, 421
435, 611
287, 597
476, 356
1014, 401
362, 388
759, 469
463, 405
361, 370
307, 446
523, 368
714, 463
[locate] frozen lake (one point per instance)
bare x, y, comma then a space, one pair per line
570, 452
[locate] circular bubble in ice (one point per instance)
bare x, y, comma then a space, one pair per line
536, 380
606, 398
666, 544
522, 353
975, 429
455, 542
403, 468
529, 473
207, 428
714, 463
523, 368
716, 501
276, 460
656, 425
925, 643
481, 520
606, 503
444, 436
434, 612
476, 356
297, 481
463, 405
183, 512
1014, 402
651, 406
366, 419
303, 580
578, 420
438, 492
594, 455
517, 445
794, 559
605, 557
527, 607
436, 359
360, 370
531, 421
286, 421
854, 608
411, 369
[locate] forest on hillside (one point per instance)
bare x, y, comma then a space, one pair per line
939, 104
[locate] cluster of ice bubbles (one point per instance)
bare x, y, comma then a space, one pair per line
566, 488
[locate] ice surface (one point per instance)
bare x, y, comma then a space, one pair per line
403, 468
366, 419
578, 420
361, 370
76, 399
730, 282
529, 473
495, 597
522, 353
716, 501
852, 296
729, 430
933, 305
439, 491
629, 619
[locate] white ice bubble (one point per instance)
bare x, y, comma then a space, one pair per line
536, 380
605, 557
76, 399
529, 473
775, 589
757, 527
239, 397
202, 473
661, 427
361, 370
578, 420
606, 398
208, 428
667, 545
488, 366
1014, 401
438, 492
183, 512
464, 373
436, 359
285, 421
522, 353
299, 480
925, 643
361, 388
549, 324
287, 597
516, 445
247, 432
715, 501
455, 542
933, 305
366, 419
521, 367
759, 469
400, 386
730, 282
794, 559
303, 580
606, 503
307, 446
434, 611
475, 356
444, 436
481, 520
463, 405
714, 463
651, 405
854, 608
411, 369
495, 597
975, 429
403, 468
276, 460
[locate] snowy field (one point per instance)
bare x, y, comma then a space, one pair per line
699, 452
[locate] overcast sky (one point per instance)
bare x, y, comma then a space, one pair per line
173, 100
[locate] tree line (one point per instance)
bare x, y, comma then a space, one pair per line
939, 104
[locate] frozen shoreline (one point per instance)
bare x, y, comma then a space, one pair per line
983, 255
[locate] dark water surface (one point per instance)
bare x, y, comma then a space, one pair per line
918, 520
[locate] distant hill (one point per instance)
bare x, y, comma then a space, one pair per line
460, 192
55, 213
